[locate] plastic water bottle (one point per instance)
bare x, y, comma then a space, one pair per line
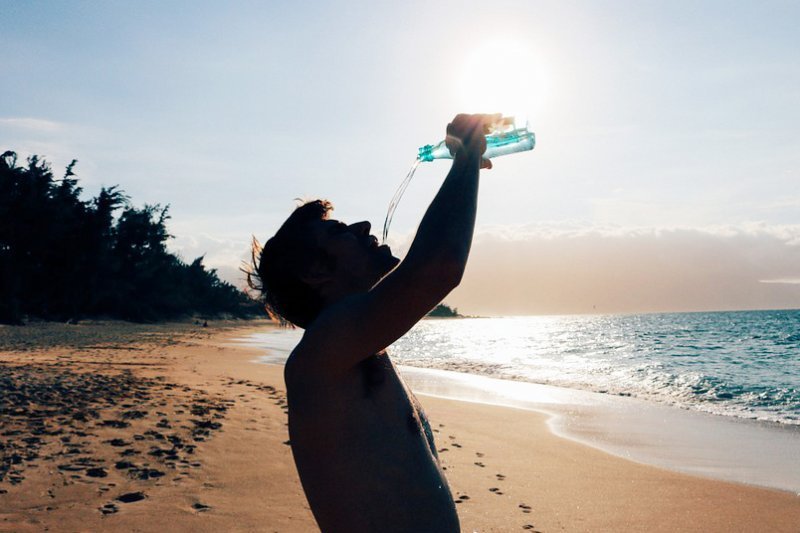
503, 139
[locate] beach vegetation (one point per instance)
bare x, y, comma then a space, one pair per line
444, 311
66, 258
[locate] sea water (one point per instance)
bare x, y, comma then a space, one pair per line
714, 394
743, 364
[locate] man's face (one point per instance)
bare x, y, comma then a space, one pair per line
359, 261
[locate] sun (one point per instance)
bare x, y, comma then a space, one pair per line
504, 76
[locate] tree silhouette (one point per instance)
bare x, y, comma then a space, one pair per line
444, 311
65, 258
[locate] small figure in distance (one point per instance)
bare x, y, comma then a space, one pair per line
362, 444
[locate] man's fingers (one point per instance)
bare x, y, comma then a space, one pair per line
453, 143
486, 163
469, 131
464, 126
492, 121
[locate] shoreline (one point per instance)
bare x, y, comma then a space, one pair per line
647, 432
507, 470
615, 473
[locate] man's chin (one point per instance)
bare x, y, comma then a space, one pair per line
388, 261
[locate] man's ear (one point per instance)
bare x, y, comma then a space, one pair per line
317, 276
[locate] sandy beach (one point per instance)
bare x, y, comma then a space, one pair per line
121, 427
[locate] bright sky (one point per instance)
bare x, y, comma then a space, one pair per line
665, 175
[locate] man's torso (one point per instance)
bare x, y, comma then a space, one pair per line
365, 452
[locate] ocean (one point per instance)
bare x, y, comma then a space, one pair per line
743, 364
710, 394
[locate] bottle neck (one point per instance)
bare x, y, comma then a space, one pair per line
429, 152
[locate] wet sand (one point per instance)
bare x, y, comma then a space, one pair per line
122, 427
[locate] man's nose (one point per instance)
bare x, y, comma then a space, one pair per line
361, 228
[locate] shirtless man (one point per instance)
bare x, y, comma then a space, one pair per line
361, 442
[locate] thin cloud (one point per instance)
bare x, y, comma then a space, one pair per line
553, 269
30, 124
787, 233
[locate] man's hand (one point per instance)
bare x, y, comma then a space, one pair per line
466, 135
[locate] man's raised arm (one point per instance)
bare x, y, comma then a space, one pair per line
363, 324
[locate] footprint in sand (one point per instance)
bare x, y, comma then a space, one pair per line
119, 424
478, 463
461, 498
97, 472
500, 477
131, 497
145, 473
109, 508
496, 490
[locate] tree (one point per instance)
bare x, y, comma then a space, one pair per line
444, 311
65, 258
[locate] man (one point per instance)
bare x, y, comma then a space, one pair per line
361, 442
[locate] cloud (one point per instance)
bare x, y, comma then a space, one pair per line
34, 125
784, 203
220, 253
554, 269
582, 268
58, 143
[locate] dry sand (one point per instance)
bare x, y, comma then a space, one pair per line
118, 427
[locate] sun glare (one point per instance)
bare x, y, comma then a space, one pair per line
504, 76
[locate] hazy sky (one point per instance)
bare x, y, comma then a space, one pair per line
665, 175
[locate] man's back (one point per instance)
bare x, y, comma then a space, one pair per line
364, 450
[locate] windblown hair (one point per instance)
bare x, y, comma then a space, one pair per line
277, 268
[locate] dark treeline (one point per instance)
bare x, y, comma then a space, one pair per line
64, 258
444, 311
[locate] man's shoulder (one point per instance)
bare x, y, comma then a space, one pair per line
294, 363
339, 339
304, 361
321, 335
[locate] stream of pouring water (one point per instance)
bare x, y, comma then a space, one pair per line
396, 199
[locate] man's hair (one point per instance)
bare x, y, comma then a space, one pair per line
277, 268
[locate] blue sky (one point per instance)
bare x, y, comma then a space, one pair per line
652, 118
